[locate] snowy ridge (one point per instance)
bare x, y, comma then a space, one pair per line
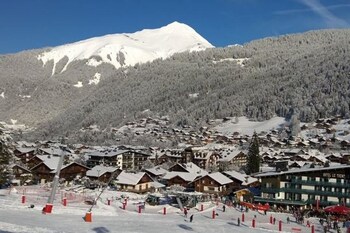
129, 48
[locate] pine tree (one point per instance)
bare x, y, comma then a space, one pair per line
5, 157
253, 158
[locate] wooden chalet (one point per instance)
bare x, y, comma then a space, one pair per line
102, 173
139, 182
183, 179
214, 183
24, 154
73, 170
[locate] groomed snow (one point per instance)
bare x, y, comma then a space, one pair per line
17, 217
245, 126
130, 48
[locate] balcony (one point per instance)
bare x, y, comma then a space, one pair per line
279, 201
314, 192
270, 190
320, 183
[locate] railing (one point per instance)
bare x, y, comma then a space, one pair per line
321, 183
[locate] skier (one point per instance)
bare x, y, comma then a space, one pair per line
185, 212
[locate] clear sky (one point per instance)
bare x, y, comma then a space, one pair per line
30, 24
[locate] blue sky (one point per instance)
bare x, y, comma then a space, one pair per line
29, 24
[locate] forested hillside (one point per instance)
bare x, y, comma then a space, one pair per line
306, 75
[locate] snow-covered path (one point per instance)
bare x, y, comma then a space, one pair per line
16, 217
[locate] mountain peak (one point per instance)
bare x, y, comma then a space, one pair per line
129, 48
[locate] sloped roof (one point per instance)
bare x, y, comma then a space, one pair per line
303, 169
54, 151
130, 178
186, 176
50, 161
99, 170
220, 178
193, 168
25, 150
157, 170
244, 178
228, 155
69, 164
107, 153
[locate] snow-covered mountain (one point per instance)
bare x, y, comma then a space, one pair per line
129, 48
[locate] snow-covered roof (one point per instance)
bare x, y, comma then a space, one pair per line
228, 155
99, 170
157, 170
244, 178
186, 176
303, 169
156, 184
220, 178
50, 161
69, 164
130, 178
25, 150
194, 169
54, 151
108, 153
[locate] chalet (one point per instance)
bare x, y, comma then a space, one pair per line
200, 156
24, 154
234, 157
345, 158
102, 173
156, 172
46, 169
188, 167
183, 179
134, 182
21, 174
214, 183
73, 170
241, 180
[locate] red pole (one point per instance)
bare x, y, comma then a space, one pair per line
124, 205
242, 217
108, 202
23, 199
253, 223
126, 201
64, 201
213, 214
48, 208
164, 211
280, 225
270, 219
312, 229
202, 207
139, 209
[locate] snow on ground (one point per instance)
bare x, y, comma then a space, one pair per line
239, 61
245, 126
79, 84
96, 79
17, 217
2, 95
